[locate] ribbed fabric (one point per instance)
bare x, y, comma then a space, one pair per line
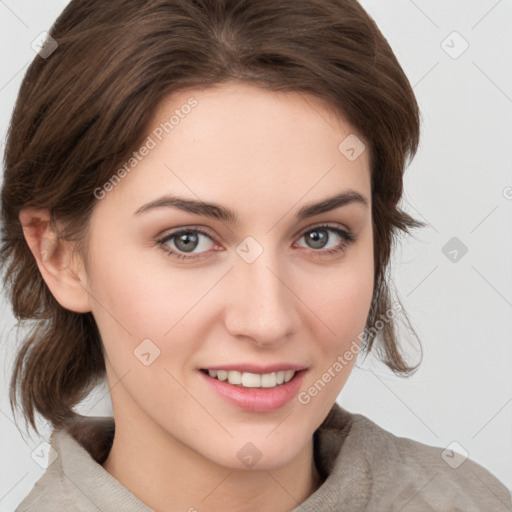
364, 468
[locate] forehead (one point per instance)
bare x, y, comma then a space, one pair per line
247, 146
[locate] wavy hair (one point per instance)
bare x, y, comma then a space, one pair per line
83, 109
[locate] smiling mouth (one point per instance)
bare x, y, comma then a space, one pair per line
252, 380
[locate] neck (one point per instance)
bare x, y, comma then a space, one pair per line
167, 475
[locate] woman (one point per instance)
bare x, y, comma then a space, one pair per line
199, 204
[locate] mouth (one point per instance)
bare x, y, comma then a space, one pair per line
258, 390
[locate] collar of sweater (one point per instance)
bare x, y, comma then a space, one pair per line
91, 437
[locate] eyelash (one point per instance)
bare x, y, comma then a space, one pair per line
347, 238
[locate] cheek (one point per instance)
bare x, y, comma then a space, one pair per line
343, 296
343, 307
346, 304
345, 311
342, 303
137, 297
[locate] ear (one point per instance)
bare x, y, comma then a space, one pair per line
61, 267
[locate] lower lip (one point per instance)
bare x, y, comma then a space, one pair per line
257, 399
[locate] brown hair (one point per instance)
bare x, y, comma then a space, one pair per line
83, 110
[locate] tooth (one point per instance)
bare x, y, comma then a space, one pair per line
288, 374
251, 380
234, 377
268, 380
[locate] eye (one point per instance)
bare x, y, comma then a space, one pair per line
184, 241
181, 244
318, 237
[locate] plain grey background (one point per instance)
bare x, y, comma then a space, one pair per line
458, 56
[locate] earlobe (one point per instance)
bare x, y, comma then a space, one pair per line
61, 268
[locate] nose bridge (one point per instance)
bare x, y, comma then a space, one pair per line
263, 305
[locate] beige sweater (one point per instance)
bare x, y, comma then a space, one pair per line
364, 468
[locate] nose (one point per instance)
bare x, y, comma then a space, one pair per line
262, 307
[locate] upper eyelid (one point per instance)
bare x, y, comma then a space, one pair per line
176, 231
326, 224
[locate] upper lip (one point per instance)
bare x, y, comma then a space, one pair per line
254, 368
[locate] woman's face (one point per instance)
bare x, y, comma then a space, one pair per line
266, 292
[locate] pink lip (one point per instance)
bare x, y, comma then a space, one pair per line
253, 368
257, 399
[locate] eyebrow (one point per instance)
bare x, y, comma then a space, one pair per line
224, 214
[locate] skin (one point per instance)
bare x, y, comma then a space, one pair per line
265, 155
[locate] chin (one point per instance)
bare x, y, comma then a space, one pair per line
260, 453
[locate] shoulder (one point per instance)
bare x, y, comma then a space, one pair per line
407, 473
48, 494
74, 480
